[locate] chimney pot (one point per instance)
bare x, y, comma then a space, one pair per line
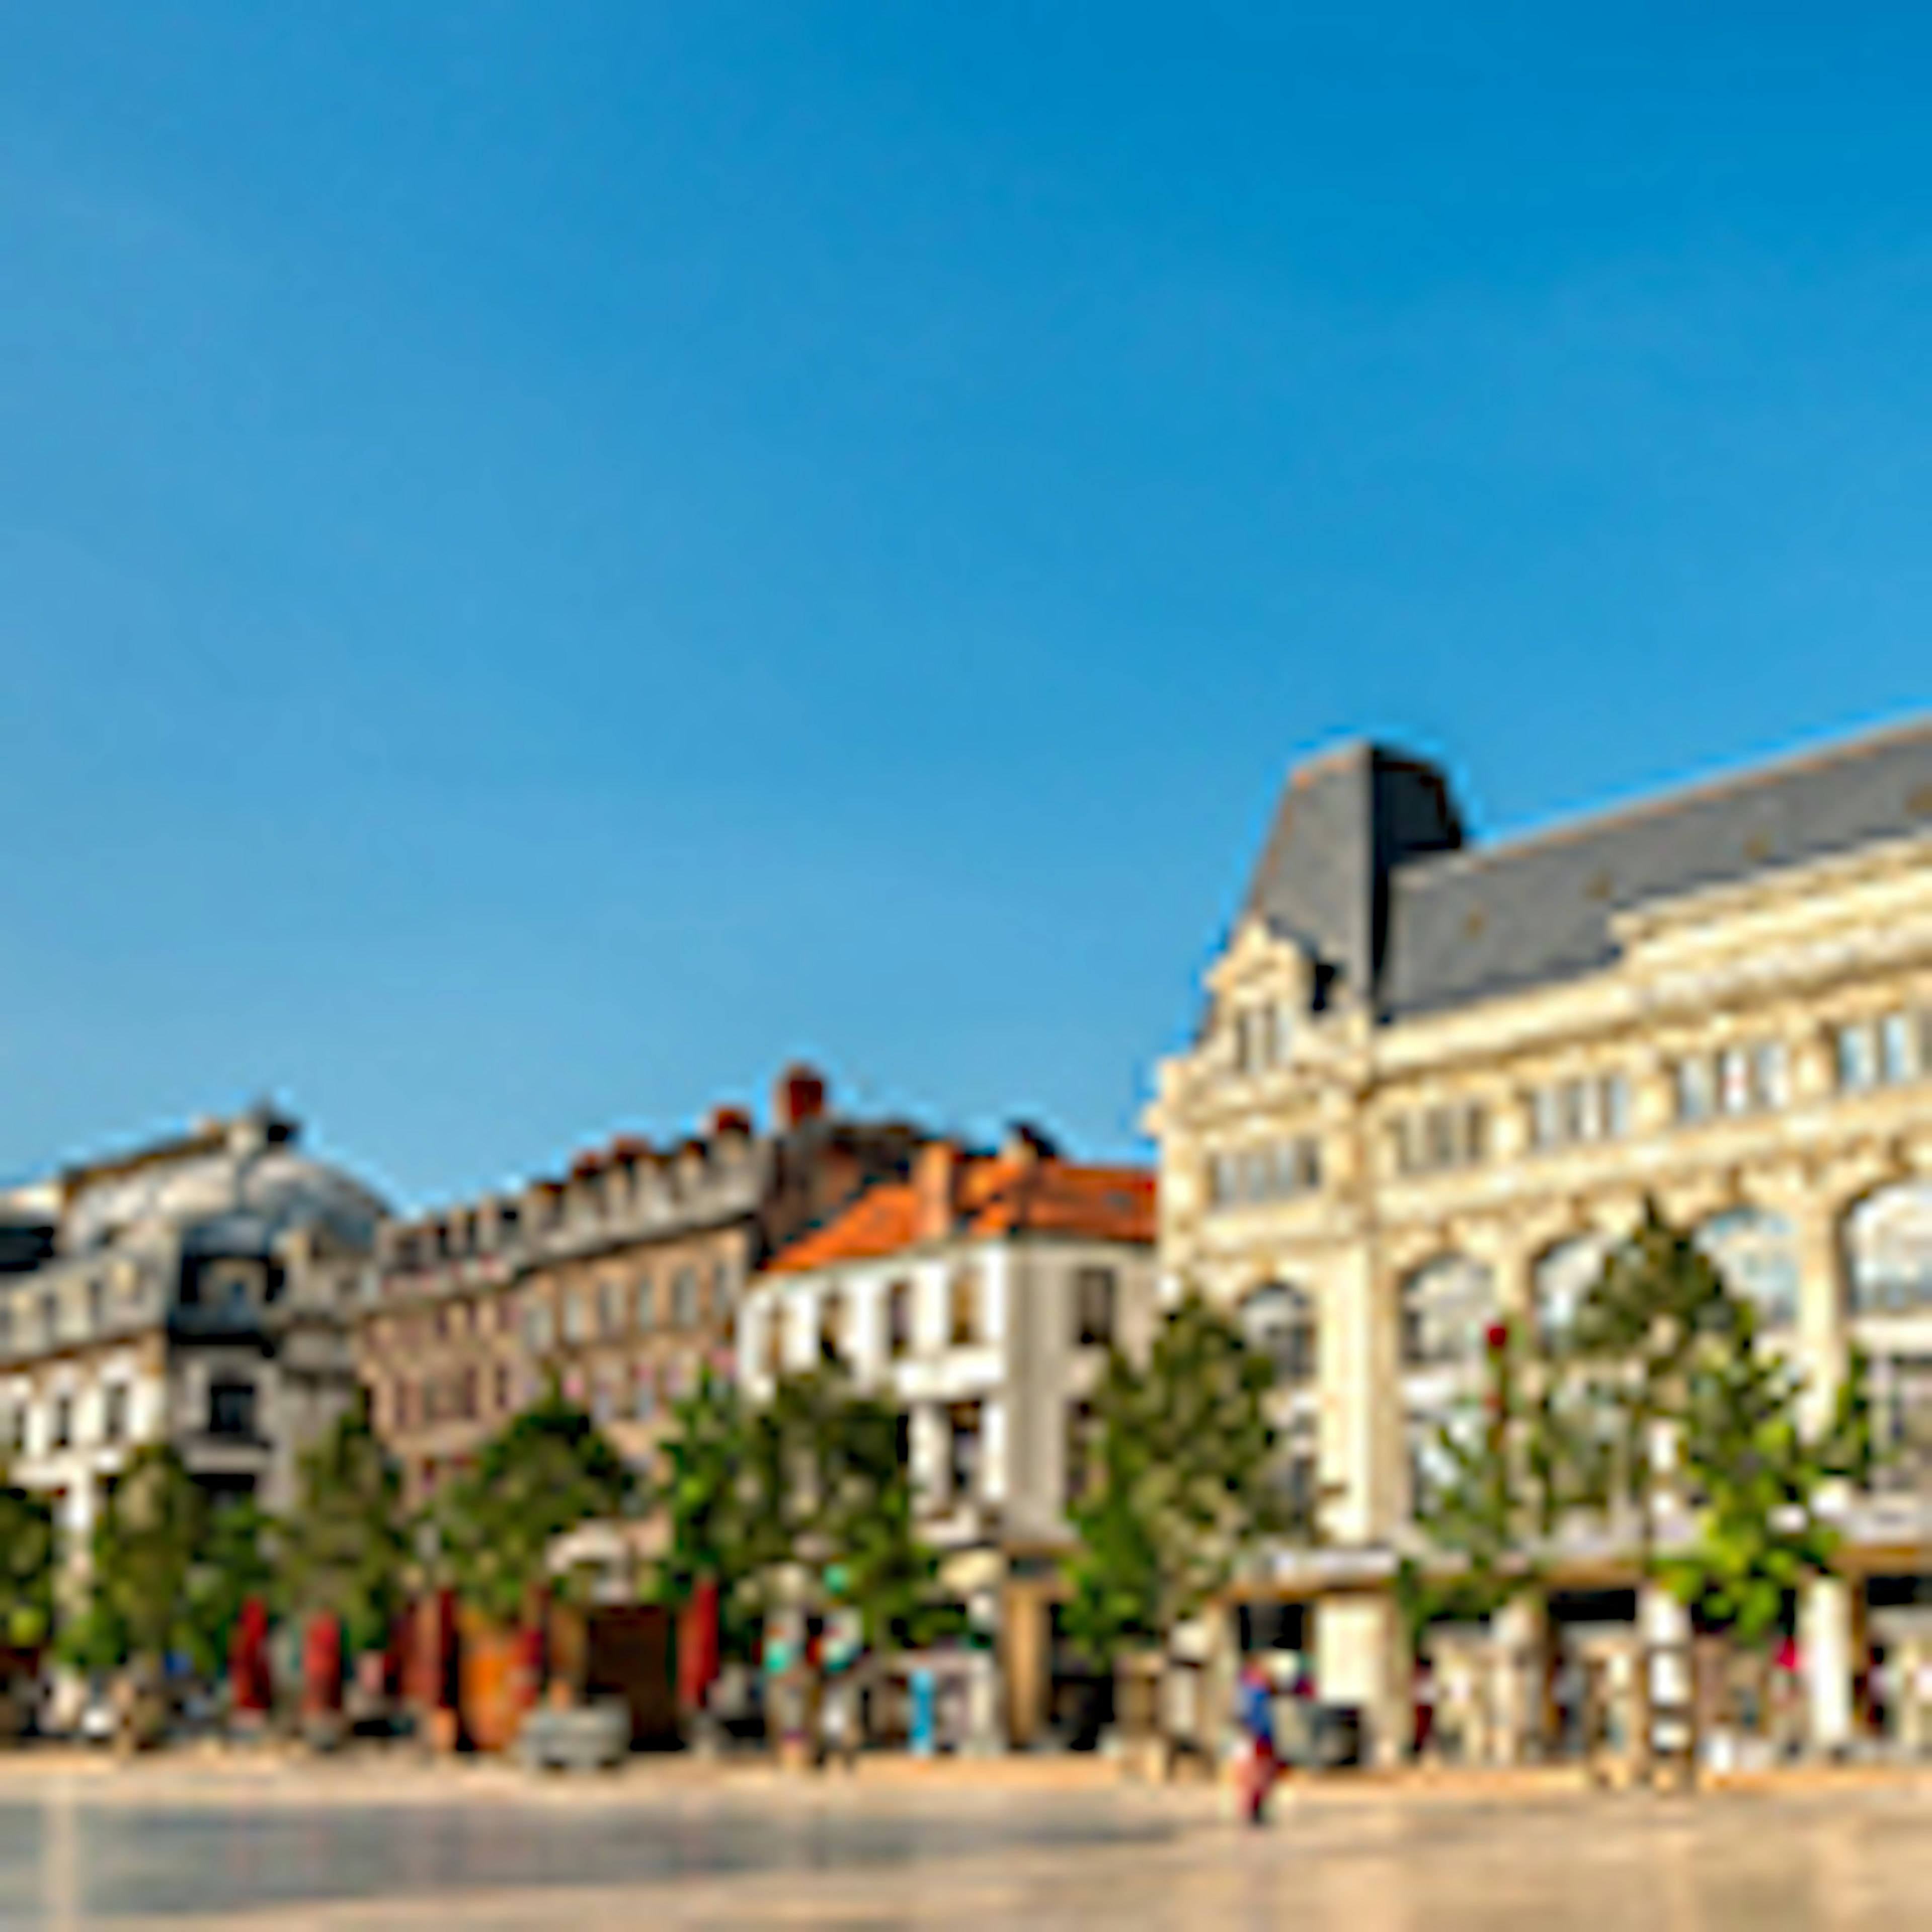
800, 1096
936, 1190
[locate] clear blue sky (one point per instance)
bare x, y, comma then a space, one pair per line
554, 555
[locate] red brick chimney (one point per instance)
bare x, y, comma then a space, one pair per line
935, 1184
798, 1097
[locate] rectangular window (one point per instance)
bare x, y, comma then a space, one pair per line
684, 1298
63, 1421
1858, 1058
1616, 1106
231, 1409
898, 1320
1094, 1302
1771, 1076
1898, 1047
963, 1302
963, 1463
1694, 1090
114, 1412
1734, 1081
1545, 1127
1081, 1443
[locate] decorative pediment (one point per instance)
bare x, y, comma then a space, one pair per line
1261, 963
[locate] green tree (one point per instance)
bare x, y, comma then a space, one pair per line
1753, 1474
827, 1490
1183, 1490
1510, 1466
346, 1547
1114, 1571
712, 1497
1657, 1314
150, 1531
549, 1470
235, 1560
27, 1565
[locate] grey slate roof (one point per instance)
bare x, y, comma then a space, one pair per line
1463, 925
1343, 822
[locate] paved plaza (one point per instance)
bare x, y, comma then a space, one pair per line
170, 1845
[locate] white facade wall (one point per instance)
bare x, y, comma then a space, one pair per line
1025, 1369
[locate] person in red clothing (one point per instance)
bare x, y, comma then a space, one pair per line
1254, 1709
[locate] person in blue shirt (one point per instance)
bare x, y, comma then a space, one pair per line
1254, 1712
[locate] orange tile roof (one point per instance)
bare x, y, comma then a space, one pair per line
997, 1194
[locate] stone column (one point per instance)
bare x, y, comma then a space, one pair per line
1825, 1644
1663, 1628
1360, 1659
1027, 1646
1822, 1348
1361, 1446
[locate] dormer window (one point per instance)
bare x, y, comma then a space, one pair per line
1261, 1030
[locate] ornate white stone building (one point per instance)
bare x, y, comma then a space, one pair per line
1433, 1081
196, 1291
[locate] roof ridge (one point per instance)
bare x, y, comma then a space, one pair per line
1582, 824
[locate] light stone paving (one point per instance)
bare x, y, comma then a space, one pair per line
376, 1851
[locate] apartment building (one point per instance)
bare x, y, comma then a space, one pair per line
198, 1290
621, 1279
979, 1298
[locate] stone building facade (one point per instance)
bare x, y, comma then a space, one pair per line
1434, 1081
198, 1291
622, 1279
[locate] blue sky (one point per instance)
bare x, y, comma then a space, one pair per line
551, 556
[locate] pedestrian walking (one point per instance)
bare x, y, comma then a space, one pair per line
1254, 1713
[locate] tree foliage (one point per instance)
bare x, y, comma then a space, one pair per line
147, 1538
547, 1470
1753, 1475
1651, 1322
832, 1493
236, 1558
345, 1547
1182, 1490
27, 1565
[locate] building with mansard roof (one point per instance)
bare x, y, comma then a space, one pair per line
197, 1291
1434, 1079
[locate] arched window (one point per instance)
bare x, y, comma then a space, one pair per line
1888, 1251
1757, 1252
1446, 1305
1279, 1322
1562, 1278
